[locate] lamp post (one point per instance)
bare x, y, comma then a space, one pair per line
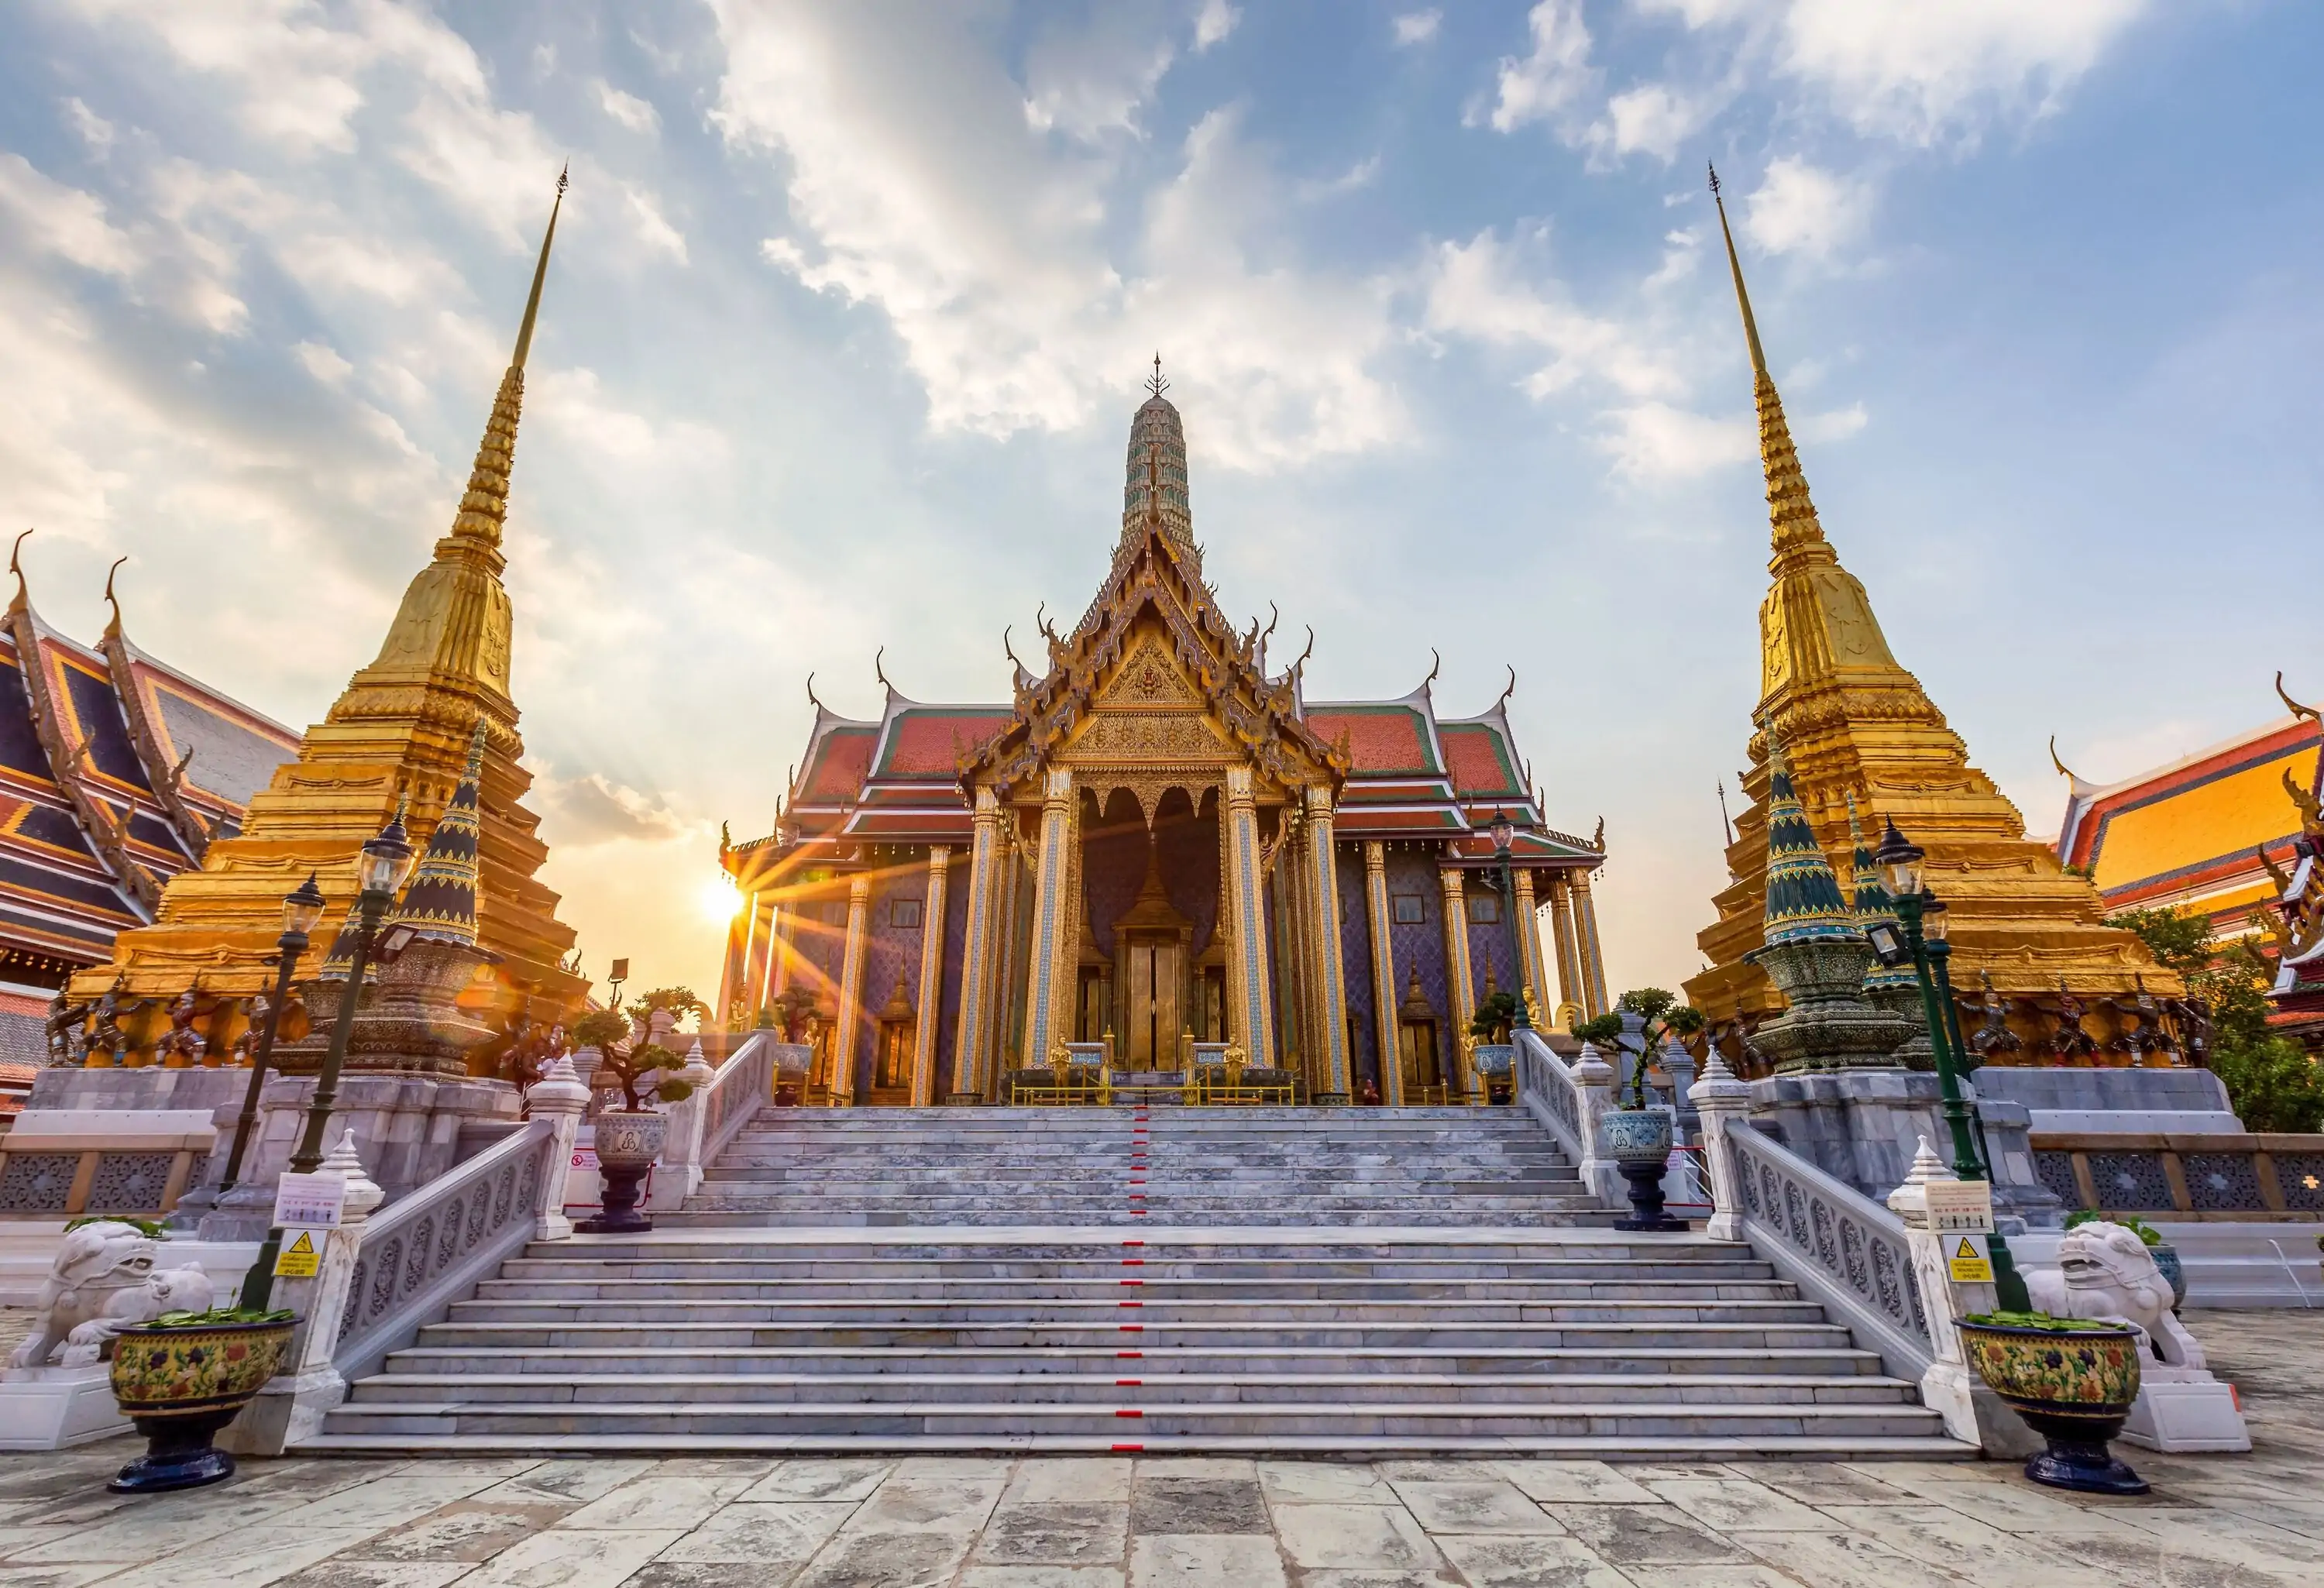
380, 868
301, 908
1922, 915
1504, 832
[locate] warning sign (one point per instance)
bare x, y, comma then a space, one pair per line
310, 1202
301, 1257
1968, 1261
1961, 1206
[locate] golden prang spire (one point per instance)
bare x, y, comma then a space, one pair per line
484, 506
1792, 516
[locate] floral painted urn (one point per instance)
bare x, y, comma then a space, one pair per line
179, 1383
2074, 1384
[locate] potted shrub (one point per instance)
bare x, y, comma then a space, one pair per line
2073, 1380
629, 1138
184, 1377
2165, 1255
1637, 1138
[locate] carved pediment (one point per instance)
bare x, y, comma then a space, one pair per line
1142, 738
1148, 677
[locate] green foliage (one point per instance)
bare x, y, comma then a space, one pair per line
1647, 1003
633, 1068
2271, 1083
792, 1006
224, 1315
2131, 1222
1494, 1017
601, 1029
149, 1228
2038, 1320
680, 1000
1604, 1029
1684, 1022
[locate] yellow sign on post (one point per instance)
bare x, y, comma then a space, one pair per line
1969, 1262
302, 1257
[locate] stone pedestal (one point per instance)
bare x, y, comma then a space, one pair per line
2185, 1409
49, 1408
1862, 1126
406, 1127
1828, 1026
1950, 1387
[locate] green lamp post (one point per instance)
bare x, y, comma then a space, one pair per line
301, 908
1504, 832
1921, 915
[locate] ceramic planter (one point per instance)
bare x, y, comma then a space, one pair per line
627, 1146
2167, 1264
2073, 1387
1638, 1140
179, 1386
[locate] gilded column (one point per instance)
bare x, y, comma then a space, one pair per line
1049, 912
1585, 922
1291, 953
783, 951
1375, 917
1560, 928
851, 992
1458, 984
1331, 984
1254, 1016
1227, 931
977, 1017
931, 1004
1529, 941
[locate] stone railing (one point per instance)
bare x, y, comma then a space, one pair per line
2223, 1177
746, 1084
431, 1249
1567, 1100
1839, 1247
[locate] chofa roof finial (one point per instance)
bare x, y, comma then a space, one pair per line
2298, 710
23, 596
1158, 385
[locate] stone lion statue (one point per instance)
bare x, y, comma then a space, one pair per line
103, 1281
2106, 1273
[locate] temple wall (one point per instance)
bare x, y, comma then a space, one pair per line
1489, 945
1190, 871
1413, 871
888, 951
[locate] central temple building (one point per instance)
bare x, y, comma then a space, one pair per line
1158, 850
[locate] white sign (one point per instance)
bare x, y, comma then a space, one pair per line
311, 1201
1961, 1206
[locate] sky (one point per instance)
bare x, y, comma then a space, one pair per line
852, 303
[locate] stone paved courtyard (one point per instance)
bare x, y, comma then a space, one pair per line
2247, 1521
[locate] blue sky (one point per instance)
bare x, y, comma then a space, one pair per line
852, 303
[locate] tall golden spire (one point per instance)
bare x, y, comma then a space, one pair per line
1857, 729
405, 729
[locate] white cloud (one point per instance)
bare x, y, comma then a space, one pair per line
1478, 290
628, 109
1020, 287
1418, 27
94, 131
1552, 81
1657, 442
1213, 22
1799, 209
653, 230
63, 221
1652, 119
323, 363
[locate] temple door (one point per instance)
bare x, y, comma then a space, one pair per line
1154, 977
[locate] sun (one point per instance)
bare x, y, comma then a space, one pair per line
719, 899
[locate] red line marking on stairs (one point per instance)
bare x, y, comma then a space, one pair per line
1129, 1450
1128, 1355
1129, 1383
1131, 1328
1128, 1411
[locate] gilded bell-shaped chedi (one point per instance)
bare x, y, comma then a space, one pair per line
1854, 724
400, 732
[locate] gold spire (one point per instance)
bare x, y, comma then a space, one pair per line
1791, 513
484, 507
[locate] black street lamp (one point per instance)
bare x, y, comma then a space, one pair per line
1925, 937
301, 908
380, 869
1503, 832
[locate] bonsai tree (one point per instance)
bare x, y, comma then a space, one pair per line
1494, 1018
1665, 1017
677, 1002
632, 1063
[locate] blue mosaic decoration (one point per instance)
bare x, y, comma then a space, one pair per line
440, 900
1874, 906
1804, 901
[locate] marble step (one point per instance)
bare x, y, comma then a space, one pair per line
1143, 1384
1819, 1447
1113, 1243
690, 1292
532, 1335
850, 1311
562, 1362
1281, 1271
763, 1217
969, 1419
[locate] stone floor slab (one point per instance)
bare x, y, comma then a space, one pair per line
1585, 1482
821, 1480
1056, 1533
1734, 1504
1538, 1561
1300, 1482
1848, 1560
1205, 1560
873, 1559
1635, 1535
1353, 1536
466, 1530
601, 1558
1044, 1577
1198, 1505
1491, 1506
776, 1537
1069, 1478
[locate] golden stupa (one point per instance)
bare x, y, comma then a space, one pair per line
1853, 723
401, 731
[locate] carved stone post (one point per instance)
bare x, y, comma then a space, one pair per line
680, 1167
851, 992
1254, 1016
1594, 1079
559, 1097
1460, 980
1052, 951
1723, 1103
1377, 916
1952, 1388
931, 1004
294, 1402
977, 1015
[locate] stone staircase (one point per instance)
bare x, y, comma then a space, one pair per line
1353, 1282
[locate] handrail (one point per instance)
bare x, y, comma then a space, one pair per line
432, 1247
1840, 1247
745, 1084
1546, 1087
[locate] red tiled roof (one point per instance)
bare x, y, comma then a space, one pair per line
1380, 742
1477, 764
24, 1003
839, 771
926, 743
